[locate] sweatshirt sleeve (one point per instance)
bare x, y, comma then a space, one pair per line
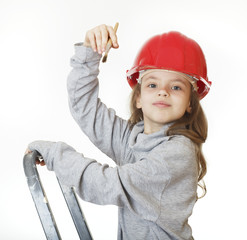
106, 130
136, 186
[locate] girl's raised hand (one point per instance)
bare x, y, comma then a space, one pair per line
98, 37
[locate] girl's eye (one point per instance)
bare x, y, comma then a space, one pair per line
176, 88
152, 85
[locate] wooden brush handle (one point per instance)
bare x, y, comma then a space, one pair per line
109, 43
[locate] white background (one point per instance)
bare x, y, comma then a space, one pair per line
36, 43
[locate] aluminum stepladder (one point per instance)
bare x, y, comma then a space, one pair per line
43, 207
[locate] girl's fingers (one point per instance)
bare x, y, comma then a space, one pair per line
104, 37
101, 35
41, 163
98, 37
113, 37
91, 38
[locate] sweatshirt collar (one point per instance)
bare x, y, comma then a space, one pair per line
140, 141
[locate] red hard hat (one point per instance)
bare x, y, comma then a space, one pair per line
172, 51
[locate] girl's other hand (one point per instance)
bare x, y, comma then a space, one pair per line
39, 161
98, 37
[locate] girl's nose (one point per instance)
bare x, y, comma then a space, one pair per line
163, 92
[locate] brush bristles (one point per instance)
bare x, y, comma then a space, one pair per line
104, 58
109, 44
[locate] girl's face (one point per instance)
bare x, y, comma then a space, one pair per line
164, 98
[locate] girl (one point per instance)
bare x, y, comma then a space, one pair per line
157, 151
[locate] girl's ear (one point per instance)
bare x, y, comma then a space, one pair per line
138, 102
189, 108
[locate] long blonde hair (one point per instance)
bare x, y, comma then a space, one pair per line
192, 125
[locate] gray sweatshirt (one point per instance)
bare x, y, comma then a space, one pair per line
155, 181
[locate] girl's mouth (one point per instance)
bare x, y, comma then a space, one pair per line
161, 104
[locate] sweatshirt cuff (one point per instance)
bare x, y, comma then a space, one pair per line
83, 54
46, 149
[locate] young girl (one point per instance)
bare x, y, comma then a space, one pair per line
157, 151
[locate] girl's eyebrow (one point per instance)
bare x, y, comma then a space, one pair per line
152, 77
179, 80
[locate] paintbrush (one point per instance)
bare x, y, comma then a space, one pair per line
109, 44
